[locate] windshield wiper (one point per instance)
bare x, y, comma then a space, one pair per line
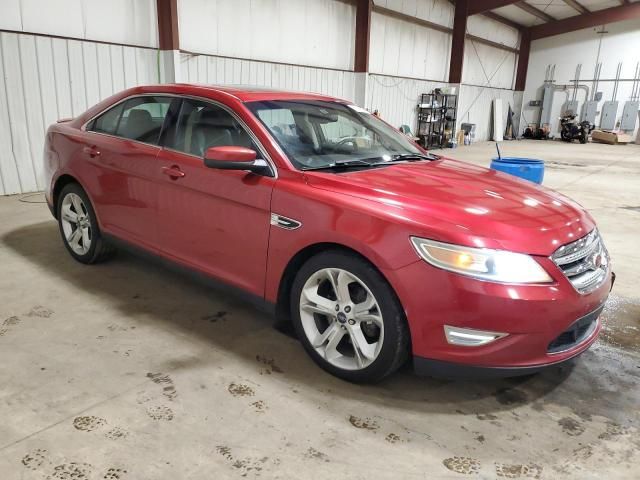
413, 157
359, 163
356, 163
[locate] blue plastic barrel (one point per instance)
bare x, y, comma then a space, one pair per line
527, 168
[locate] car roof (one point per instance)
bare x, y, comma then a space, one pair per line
241, 93
244, 93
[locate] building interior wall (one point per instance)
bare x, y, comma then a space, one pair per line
118, 21
617, 43
235, 71
43, 79
319, 33
58, 58
407, 59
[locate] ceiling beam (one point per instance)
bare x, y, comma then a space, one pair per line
592, 19
505, 21
486, 5
411, 19
441, 28
491, 43
498, 18
578, 7
545, 17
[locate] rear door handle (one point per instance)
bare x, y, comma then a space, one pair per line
91, 151
173, 172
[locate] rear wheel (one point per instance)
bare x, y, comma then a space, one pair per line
79, 226
348, 318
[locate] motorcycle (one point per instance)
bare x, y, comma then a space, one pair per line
571, 129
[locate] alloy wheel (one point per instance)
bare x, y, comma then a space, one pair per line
341, 318
76, 224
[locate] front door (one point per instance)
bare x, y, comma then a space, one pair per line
214, 220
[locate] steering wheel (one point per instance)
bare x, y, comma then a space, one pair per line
347, 141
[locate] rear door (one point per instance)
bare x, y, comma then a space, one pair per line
214, 220
122, 145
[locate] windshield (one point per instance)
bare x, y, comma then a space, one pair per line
318, 134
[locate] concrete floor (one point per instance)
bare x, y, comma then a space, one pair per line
126, 370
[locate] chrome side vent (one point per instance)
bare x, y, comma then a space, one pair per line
584, 262
284, 222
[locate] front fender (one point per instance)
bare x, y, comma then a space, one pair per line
328, 218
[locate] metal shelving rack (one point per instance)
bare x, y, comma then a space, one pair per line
437, 115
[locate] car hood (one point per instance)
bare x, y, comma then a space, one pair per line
457, 202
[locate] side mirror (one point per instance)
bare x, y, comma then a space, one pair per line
236, 158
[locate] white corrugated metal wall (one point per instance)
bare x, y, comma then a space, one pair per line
235, 71
476, 104
489, 74
404, 49
319, 33
586, 47
396, 98
44, 78
132, 22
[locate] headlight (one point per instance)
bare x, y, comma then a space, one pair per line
494, 265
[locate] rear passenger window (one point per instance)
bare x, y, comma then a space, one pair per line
107, 122
139, 118
142, 118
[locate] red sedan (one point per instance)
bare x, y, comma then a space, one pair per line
375, 249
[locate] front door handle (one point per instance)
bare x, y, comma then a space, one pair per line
173, 172
92, 151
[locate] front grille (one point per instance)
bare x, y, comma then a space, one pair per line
576, 333
584, 262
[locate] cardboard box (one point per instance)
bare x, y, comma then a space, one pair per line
624, 138
612, 138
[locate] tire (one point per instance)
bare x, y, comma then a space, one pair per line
365, 313
583, 138
566, 136
87, 245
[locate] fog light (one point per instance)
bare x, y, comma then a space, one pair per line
468, 337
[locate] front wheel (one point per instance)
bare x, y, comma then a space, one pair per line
79, 226
348, 318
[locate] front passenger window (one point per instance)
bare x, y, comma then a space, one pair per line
201, 125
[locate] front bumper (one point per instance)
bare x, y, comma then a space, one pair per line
532, 316
592, 325
440, 369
